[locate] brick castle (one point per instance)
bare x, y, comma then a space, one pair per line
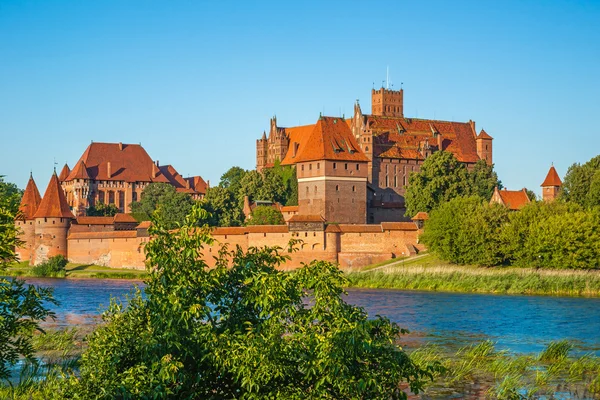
349, 172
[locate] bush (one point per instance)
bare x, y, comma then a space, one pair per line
53, 268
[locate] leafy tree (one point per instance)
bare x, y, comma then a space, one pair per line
21, 306
581, 184
467, 230
442, 177
222, 207
102, 210
170, 206
242, 329
531, 195
232, 179
265, 215
253, 186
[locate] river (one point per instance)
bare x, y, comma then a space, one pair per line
519, 324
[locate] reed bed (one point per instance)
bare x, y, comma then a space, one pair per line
430, 274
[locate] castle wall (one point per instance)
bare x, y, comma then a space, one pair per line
27, 236
110, 249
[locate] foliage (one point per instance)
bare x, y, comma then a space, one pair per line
102, 210
241, 329
466, 231
531, 195
442, 177
170, 206
232, 179
265, 215
222, 207
54, 267
581, 184
10, 195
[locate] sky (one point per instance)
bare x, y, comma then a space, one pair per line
196, 82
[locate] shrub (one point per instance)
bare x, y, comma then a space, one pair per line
53, 268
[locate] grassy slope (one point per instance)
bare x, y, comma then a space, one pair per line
82, 271
429, 273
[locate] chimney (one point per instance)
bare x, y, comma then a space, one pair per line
120, 146
109, 170
440, 141
187, 183
157, 163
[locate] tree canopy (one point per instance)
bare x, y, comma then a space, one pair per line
582, 183
242, 329
442, 177
265, 215
170, 206
102, 210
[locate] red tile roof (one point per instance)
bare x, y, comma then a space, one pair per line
360, 228
399, 137
333, 228
421, 215
229, 230
64, 173
297, 135
79, 172
124, 218
552, 179
31, 200
128, 162
330, 139
306, 218
398, 226
483, 135
289, 209
267, 229
54, 203
513, 199
103, 235
144, 225
95, 220
197, 184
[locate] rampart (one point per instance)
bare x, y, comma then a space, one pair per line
351, 246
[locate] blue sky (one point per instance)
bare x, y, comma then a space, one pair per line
196, 81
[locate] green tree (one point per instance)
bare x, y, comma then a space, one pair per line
242, 329
22, 306
442, 177
581, 184
102, 210
170, 206
265, 215
467, 230
232, 179
223, 207
531, 195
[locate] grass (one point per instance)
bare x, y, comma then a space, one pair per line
429, 273
79, 271
483, 371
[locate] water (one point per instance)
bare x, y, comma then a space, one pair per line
520, 324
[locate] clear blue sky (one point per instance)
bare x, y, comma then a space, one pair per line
196, 81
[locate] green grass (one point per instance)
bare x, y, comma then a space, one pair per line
429, 273
80, 271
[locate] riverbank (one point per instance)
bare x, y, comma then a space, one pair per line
75, 271
429, 273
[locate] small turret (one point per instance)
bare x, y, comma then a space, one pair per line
64, 173
484, 147
52, 222
551, 185
25, 222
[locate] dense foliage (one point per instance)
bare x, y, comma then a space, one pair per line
582, 183
21, 306
265, 215
54, 267
544, 235
102, 210
241, 330
162, 200
442, 177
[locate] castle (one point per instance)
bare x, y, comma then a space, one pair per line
117, 173
387, 146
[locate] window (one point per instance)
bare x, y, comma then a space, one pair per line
310, 167
337, 188
334, 165
318, 165
353, 188
315, 189
357, 167
346, 166
302, 168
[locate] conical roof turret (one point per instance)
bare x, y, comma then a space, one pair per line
31, 199
54, 203
552, 179
64, 173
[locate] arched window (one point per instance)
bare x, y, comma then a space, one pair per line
337, 188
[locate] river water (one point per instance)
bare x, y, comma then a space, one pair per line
519, 324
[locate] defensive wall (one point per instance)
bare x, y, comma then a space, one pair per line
351, 246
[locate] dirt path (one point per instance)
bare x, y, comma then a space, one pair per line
397, 262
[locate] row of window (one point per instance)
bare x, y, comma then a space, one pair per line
337, 189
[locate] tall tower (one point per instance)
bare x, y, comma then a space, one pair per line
25, 222
551, 185
484, 146
387, 103
262, 149
52, 222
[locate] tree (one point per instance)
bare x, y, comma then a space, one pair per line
242, 329
223, 207
22, 306
531, 195
170, 206
582, 183
467, 230
102, 210
232, 179
442, 177
265, 215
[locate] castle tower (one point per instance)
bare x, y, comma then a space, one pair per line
332, 174
484, 146
262, 149
551, 185
52, 222
64, 173
387, 103
25, 221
